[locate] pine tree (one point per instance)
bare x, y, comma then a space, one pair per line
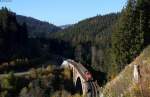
143, 8
127, 42
13, 36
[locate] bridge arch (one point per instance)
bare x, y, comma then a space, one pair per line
79, 78
78, 86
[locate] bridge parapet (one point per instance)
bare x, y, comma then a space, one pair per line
79, 72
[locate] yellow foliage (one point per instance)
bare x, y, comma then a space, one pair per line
33, 73
49, 68
67, 73
12, 63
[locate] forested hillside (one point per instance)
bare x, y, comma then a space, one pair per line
124, 84
36, 27
18, 52
90, 41
131, 33
87, 29
13, 36
104, 44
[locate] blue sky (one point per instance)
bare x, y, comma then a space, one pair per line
60, 12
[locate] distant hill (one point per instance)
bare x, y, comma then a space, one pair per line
90, 40
37, 28
89, 28
66, 26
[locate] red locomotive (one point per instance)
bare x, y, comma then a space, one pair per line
88, 76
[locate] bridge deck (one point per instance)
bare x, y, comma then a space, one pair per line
80, 68
93, 85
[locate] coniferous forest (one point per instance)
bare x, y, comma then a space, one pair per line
131, 33
104, 44
13, 36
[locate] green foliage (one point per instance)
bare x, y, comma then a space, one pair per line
37, 28
143, 7
12, 35
9, 85
124, 83
89, 40
49, 86
130, 33
67, 74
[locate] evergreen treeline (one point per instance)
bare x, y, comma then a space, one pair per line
90, 41
93, 43
106, 43
131, 33
13, 36
37, 28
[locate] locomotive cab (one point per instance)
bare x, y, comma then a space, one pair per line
88, 76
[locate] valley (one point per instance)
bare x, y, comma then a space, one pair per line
101, 56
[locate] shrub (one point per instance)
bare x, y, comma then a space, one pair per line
67, 74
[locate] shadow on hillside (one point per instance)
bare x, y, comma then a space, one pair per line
98, 76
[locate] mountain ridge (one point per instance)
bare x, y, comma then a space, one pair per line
37, 28
90, 40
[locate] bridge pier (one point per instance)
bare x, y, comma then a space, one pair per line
84, 88
89, 88
77, 76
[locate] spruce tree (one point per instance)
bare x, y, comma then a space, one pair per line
143, 9
127, 42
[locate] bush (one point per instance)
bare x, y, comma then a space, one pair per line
67, 74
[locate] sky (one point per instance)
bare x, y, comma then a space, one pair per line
61, 12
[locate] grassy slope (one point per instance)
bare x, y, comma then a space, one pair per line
123, 83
